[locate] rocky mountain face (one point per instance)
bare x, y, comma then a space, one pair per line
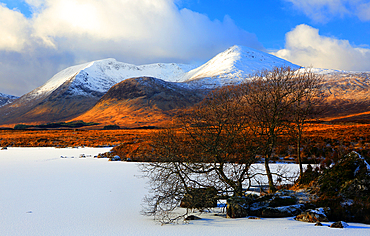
6, 99
347, 95
140, 101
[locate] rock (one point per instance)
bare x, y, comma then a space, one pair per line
200, 198
283, 203
339, 224
279, 201
254, 218
283, 211
318, 224
4, 148
237, 207
193, 217
345, 187
319, 214
115, 158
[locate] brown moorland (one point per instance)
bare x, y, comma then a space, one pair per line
322, 142
69, 137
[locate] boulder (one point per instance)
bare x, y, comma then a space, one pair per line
278, 201
200, 198
256, 208
345, 188
283, 211
115, 158
283, 203
339, 224
237, 207
312, 216
193, 217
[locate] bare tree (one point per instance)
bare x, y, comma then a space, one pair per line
211, 149
308, 98
274, 99
214, 143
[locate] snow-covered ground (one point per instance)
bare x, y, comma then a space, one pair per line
44, 194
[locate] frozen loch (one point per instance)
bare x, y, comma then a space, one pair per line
44, 194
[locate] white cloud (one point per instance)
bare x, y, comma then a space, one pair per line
35, 3
364, 11
15, 33
305, 47
325, 10
151, 28
140, 31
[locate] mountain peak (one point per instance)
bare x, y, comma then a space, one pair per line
235, 64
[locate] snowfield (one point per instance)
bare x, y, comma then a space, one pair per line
44, 194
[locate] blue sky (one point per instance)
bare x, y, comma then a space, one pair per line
270, 20
42, 37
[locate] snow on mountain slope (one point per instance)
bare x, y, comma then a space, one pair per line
230, 66
60, 78
100, 76
6, 99
2, 95
233, 65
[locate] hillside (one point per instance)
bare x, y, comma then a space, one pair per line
140, 101
347, 95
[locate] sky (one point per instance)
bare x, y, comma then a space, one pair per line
38, 38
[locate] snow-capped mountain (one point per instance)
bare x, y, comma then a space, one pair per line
76, 89
6, 99
100, 76
233, 65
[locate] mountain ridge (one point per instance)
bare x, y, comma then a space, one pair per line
6, 99
76, 89
80, 89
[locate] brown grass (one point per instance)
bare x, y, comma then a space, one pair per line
68, 138
322, 142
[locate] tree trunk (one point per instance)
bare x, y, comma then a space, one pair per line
272, 188
299, 156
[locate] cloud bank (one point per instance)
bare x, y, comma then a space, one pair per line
324, 10
62, 33
304, 46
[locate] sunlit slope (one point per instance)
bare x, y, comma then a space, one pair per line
139, 102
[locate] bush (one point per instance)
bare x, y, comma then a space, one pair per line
110, 127
345, 188
21, 126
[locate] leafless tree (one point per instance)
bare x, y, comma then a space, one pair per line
214, 143
307, 105
274, 100
211, 149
